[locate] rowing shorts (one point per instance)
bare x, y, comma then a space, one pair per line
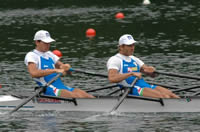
52, 91
139, 87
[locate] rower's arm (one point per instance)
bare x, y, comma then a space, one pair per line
35, 72
114, 76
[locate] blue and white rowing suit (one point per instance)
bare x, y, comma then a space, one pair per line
125, 64
44, 61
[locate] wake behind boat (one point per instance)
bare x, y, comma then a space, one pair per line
103, 104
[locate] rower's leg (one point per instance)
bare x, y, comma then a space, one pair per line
166, 92
148, 92
82, 94
67, 94
76, 93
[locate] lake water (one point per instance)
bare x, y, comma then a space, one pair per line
168, 36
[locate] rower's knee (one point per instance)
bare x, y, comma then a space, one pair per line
165, 96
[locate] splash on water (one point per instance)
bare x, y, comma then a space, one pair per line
103, 116
3, 113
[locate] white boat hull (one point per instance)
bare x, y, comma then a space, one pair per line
104, 104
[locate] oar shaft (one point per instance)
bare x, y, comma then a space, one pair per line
36, 93
170, 87
186, 89
107, 87
123, 96
89, 73
178, 75
163, 85
55, 78
121, 100
195, 94
158, 72
26, 101
113, 92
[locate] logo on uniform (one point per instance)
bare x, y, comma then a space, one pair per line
131, 69
46, 66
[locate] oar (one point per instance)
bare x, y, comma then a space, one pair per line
178, 75
59, 54
170, 87
158, 72
87, 72
186, 89
36, 93
163, 85
197, 93
123, 96
113, 92
107, 87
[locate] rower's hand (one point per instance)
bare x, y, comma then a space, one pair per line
66, 67
137, 74
61, 71
150, 71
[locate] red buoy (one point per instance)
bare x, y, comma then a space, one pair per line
119, 15
58, 53
90, 32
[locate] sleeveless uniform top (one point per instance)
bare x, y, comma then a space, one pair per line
44, 61
127, 67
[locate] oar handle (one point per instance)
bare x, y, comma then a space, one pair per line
178, 75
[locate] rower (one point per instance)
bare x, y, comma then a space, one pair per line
43, 65
123, 68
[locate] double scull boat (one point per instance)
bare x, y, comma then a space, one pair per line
103, 104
